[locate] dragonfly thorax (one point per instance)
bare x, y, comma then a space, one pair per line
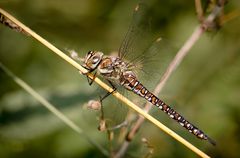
112, 68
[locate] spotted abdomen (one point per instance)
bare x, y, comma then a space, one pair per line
129, 81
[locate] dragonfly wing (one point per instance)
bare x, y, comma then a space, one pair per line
133, 40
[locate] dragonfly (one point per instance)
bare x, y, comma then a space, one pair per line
116, 70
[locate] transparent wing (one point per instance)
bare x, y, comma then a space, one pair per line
150, 65
134, 36
146, 53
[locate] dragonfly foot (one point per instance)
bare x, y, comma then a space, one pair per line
90, 81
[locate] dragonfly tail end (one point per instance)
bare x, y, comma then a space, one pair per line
211, 141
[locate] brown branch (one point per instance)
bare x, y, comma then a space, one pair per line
198, 32
199, 10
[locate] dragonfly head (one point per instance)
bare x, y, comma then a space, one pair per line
92, 60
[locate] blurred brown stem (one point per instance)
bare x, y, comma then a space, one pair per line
198, 32
199, 10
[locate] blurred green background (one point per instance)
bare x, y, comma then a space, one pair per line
205, 88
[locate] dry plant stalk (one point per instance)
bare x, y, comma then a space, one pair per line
143, 113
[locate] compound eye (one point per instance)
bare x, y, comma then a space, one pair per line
95, 59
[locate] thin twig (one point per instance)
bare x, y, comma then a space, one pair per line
197, 33
199, 10
51, 108
105, 86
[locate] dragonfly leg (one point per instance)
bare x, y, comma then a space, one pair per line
108, 93
90, 81
103, 125
75, 56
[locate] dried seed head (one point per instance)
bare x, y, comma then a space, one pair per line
136, 8
158, 39
111, 135
74, 55
102, 125
144, 140
94, 105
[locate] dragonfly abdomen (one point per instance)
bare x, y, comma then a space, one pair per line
130, 82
